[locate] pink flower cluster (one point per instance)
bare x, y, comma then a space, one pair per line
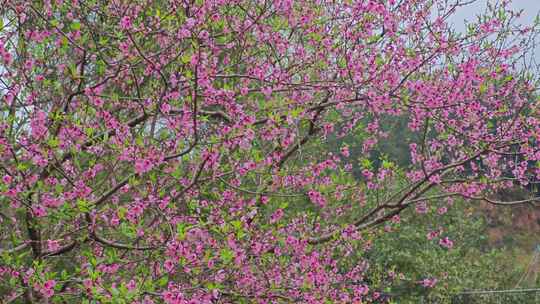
46, 289
317, 198
446, 242
429, 282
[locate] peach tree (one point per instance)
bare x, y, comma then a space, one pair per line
178, 151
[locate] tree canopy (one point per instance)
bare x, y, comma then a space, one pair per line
240, 151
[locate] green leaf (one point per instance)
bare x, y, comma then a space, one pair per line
177, 173
83, 205
153, 176
379, 61
181, 229
365, 163
296, 112
89, 132
122, 212
387, 164
186, 58
237, 224
226, 255
163, 281
100, 67
483, 88
53, 142
75, 25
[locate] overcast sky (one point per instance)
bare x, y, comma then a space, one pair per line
530, 9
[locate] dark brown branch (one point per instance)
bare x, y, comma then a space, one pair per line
14, 249
401, 204
312, 130
112, 191
194, 179
34, 233
110, 243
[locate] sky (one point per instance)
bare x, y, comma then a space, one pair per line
530, 9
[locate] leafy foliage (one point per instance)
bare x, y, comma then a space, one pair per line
190, 151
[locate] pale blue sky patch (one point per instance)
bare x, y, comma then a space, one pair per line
529, 11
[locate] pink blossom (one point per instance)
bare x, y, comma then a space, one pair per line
432, 234
131, 285
421, 208
442, 210
143, 165
49, 284
276, 216
39, 211
47, 290
125, 23
53, 245
7, 179
267, 91
345, 151
165, 108
446, 242
317, 198
429, 282
244, 91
